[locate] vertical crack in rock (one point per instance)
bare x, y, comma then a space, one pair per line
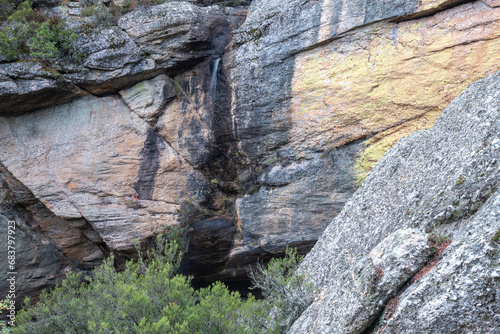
150, 163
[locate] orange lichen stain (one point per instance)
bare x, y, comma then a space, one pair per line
435, 259
389, 310
72, 185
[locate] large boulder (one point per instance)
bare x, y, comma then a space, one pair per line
444, 181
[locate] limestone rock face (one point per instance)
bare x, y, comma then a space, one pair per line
314, 77
146, 43
444, 181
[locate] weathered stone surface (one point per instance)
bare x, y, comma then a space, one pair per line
76, 239
460, 295
175, 34
311, 80
148, 98
188, 122
28, 85
225, 2
295, 202
95, 159
312, 76
433, 181
182, 110
368, 282
146, 43
38, 263
341, 91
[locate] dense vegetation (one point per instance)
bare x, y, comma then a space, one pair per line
26, 33
4, 304
149, 297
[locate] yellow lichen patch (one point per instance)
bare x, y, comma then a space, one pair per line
387, 74
379, 144
431, 4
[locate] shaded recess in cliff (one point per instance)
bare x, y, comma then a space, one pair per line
210, 242
46, 246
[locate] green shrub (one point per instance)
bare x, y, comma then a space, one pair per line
30, 34
149, 297
4, 305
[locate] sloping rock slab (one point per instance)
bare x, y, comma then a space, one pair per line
433, 180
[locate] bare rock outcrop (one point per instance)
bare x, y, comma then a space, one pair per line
443, 181
144, 44
322, 89
96, 160
264, 139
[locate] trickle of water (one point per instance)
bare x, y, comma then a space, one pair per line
213, 78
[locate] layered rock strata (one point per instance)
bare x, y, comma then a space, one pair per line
267, 137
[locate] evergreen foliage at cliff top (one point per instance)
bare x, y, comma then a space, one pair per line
28, 33
149, 297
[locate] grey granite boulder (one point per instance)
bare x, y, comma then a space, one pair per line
443, 181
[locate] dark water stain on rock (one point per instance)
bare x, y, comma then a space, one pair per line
150, 163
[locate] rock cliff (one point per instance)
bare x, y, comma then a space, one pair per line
97, 155
373, 261
253, 133
321, 90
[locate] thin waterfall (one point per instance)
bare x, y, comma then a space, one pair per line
213, 78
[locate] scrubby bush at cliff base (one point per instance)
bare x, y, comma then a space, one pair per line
287, 292
148, 297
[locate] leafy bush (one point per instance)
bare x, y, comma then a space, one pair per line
28, 33
4, 305
148, 297
286, 292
